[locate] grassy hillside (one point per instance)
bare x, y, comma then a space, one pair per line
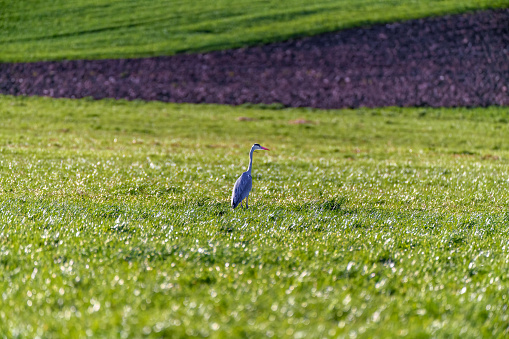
374, 222
92, 29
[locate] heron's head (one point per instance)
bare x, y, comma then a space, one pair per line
258, 147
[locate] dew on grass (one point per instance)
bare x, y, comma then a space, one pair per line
387, 223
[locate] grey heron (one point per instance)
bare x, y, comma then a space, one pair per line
244, 183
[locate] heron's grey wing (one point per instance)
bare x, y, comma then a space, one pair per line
241, 189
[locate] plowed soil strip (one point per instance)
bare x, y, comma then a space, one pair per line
459, 60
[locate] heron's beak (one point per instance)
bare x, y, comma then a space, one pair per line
265, 148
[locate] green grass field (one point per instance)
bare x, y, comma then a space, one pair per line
115, 221
33, 30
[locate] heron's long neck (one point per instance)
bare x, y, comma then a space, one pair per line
250, 161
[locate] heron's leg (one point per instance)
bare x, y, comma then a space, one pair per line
246, 201
241, 205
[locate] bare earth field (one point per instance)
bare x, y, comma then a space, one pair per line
457, 60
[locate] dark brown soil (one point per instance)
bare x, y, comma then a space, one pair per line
459, 60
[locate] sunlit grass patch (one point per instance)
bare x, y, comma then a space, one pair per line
100, 29
115, 220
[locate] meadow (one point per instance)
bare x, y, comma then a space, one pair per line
33, 30
115, 221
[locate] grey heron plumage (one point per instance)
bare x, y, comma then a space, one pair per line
244, 183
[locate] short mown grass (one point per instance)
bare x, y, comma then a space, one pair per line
115, 221
33, 30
